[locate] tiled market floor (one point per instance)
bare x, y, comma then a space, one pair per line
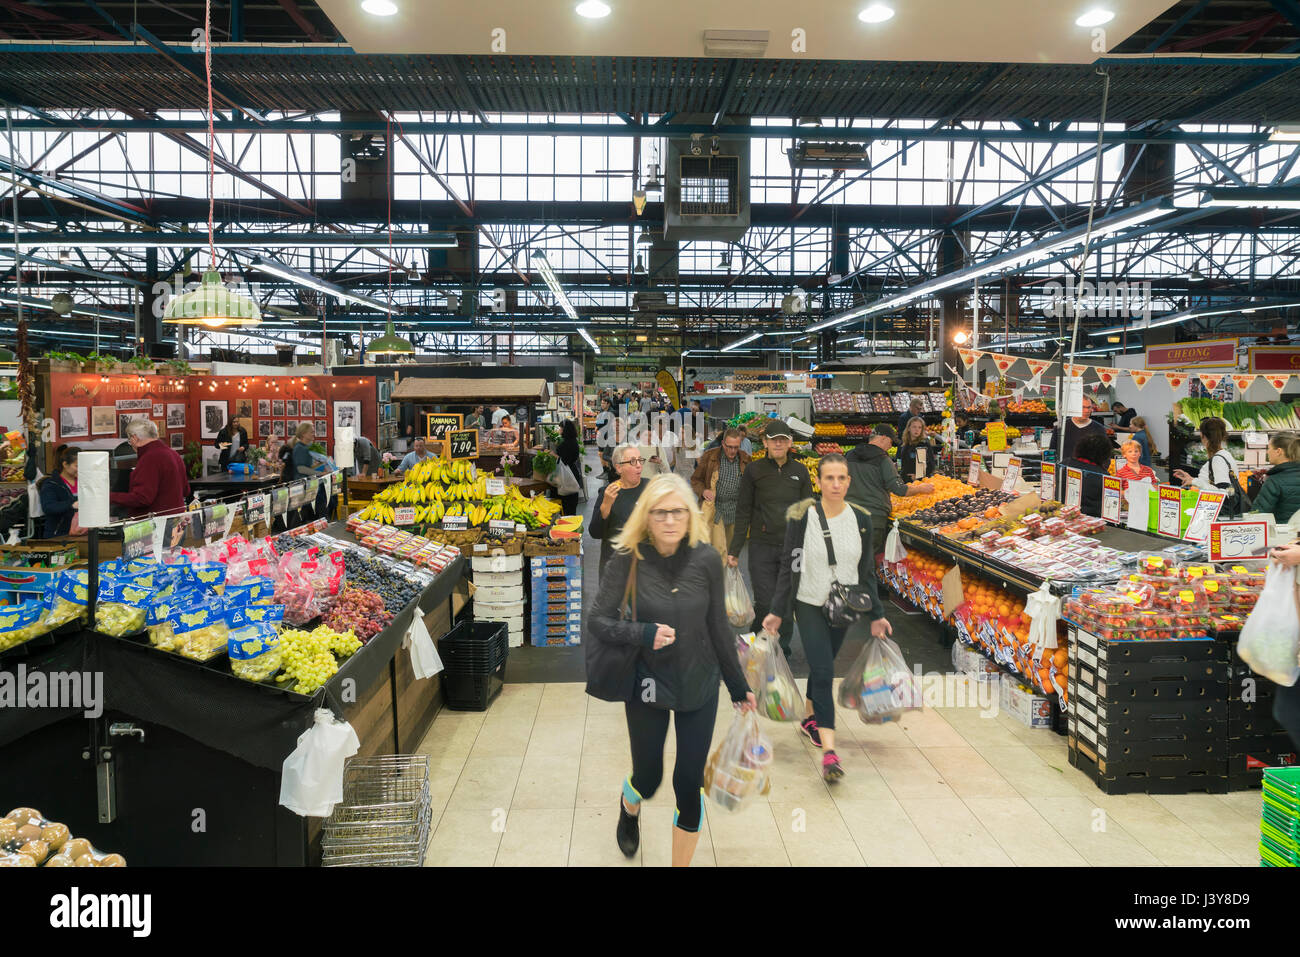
535, 781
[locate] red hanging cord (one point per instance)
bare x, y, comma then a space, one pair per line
207, 62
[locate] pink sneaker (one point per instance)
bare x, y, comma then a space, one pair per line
809, 727
832, 770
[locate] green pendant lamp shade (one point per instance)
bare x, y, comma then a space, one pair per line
212, 305
390, 344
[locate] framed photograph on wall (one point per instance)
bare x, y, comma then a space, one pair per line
291, 407
103, 420
244, 409
177, 441
175, 415
264, 428
277, 406
291, 427
277, 427
322, 428
347, 415
212, 417
320, 410
74, 421
304, 407
158, 412
126, 418
263, 407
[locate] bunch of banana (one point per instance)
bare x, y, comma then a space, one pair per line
379, 512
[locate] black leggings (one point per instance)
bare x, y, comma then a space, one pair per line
821, 643
647, 728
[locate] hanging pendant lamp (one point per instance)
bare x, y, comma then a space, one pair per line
390, 344
212, 304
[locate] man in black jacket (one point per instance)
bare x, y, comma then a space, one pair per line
767, 488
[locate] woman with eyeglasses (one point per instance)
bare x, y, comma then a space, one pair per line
615, 501
659, 642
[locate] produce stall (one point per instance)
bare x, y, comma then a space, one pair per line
180, 761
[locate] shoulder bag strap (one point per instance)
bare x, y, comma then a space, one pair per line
826, 535
629, 592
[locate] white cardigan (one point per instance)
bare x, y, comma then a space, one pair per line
1205, 480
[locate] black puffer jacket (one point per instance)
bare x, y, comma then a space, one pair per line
1280, 494
683, 591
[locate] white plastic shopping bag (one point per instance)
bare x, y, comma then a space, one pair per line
773, 682
740, 607
894, 550
1044, 611
880, 685
311, 781
425, 660
1270, 639
737, 768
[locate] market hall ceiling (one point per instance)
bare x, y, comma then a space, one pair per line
65, 55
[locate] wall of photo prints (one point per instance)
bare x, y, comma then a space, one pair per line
88, 407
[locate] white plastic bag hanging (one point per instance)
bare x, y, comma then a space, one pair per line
737, 769
740, 607
425, 660
778, 696
894, 550
1270, 639
311, 781
1044, 611
882, 684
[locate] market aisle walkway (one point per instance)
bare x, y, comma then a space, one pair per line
535, 781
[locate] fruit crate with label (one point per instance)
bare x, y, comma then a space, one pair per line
556, 600
1148, 716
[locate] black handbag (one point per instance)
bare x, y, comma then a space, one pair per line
611, 666
846, 603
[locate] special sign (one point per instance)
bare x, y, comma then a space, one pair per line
1211, 352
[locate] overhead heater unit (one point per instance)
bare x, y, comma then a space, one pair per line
741, 43
829, 156
706, 188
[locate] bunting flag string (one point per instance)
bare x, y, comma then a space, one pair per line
968, 356
1244, 382
1210, 382
1175, 379
1140, 379
1106, 375
1004, 362
1277, 382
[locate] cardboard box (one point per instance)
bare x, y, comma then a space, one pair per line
505, 611
1022, 703
498, 579
496, 564
968, 661
499, 594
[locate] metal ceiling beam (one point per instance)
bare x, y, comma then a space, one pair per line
305, 25
183, 61
855, 134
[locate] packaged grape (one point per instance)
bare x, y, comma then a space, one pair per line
201, 633
158, 614
67, 599
253, 643
21, 623
121, 608
298, 598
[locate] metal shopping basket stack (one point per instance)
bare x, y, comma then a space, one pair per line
384, 820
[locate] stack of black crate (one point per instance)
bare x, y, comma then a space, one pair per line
1255, 740
1149, 717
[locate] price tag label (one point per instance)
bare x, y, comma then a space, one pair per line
1170, 515
1073, 486
280, 500
1204, 515
501, 529
455, 522
462, 444
997, 436
496, 486
1238, 540
255, 509
137, 539
920, 464
1110, 498
1011, 475
297, 494
973, 476
438, 424
404, 515
1047, 482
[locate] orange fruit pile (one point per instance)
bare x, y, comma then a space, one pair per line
944, 488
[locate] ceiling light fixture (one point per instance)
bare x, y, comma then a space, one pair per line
1285, 197
590, 341
1286, 133
638, 200
543, 265
379, 8
960, 337
1095, 18
592, 9
876, 13
740, 342
645, 239
308, 281
390, 343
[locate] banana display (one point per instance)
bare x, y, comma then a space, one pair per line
441, 489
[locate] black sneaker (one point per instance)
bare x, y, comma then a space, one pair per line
809, 727
629, 831
832, 770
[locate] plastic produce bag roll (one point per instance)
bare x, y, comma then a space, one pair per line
92, 489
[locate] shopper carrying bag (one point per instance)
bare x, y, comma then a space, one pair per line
1219, 471
813, 575
658, 640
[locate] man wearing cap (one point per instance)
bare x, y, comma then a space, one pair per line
873, 476
768, 487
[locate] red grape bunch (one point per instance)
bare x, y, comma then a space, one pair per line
361, 611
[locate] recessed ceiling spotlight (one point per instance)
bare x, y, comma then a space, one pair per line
379, 8
592, 9
876, 13
1095, 18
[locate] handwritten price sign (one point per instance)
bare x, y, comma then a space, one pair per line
1235, 540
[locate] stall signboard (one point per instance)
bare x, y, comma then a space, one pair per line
1110, 489
1047, 482
462, 444
404, 515
438, 424
1073, 486
1274, 359
496, 486
1011, 475
1169, 514
137, 539
997, 436
1207, 353
257, 509
1238, 540
1206, 513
